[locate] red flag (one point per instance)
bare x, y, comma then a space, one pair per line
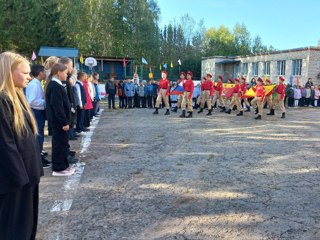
227, 92
124, 62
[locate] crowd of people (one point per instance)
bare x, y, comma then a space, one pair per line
30, 95
69, 100
210, 94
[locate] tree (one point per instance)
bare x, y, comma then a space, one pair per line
26, 25
242, 39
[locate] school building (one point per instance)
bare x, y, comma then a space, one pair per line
106, 66
296, 65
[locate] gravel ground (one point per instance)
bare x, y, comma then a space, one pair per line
209, 177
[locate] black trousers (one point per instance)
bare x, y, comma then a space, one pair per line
80, 119
142, 102
136, 101
129, 100
122, 102
60, 145
87, 118
149, 100
111, 98
19, 213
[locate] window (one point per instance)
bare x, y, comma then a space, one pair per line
255, 68
236, 70
281, 67
245, 68
266, 68
296, 67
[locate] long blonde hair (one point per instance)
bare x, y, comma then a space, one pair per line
8, 63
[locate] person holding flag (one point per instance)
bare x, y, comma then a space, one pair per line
236, 98
258, 99
207, 91
279, 97
268, 98
163, 92
243, 92
180, 82
218, 94
187, 96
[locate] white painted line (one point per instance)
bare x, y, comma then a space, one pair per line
72, 182
86, 140
61, 206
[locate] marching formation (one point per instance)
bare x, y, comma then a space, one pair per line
237, 95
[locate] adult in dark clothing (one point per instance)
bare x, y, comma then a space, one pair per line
59, 114
20, 164
309, 83
111, 90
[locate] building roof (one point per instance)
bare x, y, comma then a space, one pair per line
269, 53
285, 51
58, 52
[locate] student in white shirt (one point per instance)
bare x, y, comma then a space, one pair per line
36, 100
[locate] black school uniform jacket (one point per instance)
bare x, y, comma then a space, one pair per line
20, 159
58, 105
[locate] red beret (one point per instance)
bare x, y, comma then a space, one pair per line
237, 80
183, 73
220, 77
190, 73
282, 78
260, 79
164, 71
209, 75
243, 78
268, 80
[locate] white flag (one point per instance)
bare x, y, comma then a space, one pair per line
144, 61
179, 61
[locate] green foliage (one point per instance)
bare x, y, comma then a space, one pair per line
120, 28
26, 25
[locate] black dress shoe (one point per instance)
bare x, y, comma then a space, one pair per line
72, 153
44, 153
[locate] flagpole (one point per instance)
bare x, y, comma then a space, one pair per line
141, 72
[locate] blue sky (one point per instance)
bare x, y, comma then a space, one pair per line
284, 24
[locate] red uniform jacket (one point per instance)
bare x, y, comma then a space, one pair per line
219, 87
207, 85
189, 87
243, 88
237, 89
260, 92
281, 89
164, 84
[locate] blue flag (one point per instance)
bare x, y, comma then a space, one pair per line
177, 91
